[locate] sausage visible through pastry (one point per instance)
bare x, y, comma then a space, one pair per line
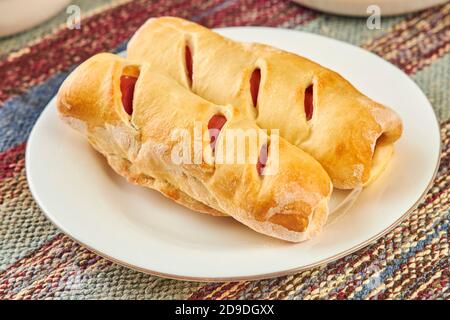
282, 204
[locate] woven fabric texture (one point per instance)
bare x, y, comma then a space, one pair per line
37, 261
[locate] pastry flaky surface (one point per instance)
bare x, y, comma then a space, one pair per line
351, 135
290, 204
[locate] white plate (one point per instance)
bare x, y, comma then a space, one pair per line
143, 230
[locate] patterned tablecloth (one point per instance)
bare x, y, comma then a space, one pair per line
38, 261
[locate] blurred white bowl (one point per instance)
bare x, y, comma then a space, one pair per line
19, 15
359, 7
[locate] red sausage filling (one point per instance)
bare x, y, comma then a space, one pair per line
255, 79
309, 102
188, 62
127, 84
262, 160
215, 124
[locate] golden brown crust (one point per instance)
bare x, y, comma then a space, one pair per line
121, 166
140, 147
343, 132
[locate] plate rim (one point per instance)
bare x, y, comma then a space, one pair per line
262, 276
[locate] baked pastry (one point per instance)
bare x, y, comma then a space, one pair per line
314, 108
134, 116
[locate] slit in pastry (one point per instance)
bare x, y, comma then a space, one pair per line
188, 63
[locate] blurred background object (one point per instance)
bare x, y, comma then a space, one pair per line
20, 15
360, 7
